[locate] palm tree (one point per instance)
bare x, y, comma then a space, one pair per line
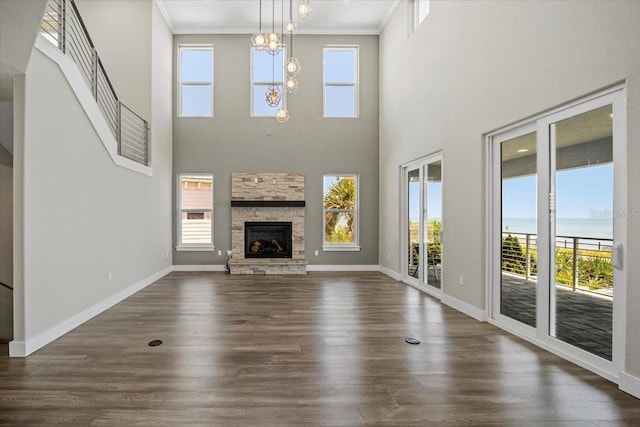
341, 195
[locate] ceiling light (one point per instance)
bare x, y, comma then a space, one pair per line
273, 96
282, 115
293, 66
303, 9
523, 150
291, 84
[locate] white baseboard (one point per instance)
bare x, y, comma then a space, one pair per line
317, 267
629, 384
463, 307
393, 274
204, 267
25, 348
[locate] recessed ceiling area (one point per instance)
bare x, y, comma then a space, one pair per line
242, 16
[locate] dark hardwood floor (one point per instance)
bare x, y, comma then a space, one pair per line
324, 349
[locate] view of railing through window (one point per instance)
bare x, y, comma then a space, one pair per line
582, 263
64, 28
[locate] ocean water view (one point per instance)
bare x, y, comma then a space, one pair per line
596, 228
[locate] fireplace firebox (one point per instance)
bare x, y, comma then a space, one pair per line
267, 239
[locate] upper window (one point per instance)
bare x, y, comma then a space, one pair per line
340, 212
341, 81
196, 81
266, 71
195, 212
419, 12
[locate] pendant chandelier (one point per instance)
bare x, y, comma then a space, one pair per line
273, 43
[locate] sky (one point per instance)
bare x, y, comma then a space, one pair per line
579, 193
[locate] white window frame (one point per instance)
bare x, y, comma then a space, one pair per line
181, 83
253, 83
204, 247
355, 83
346, 247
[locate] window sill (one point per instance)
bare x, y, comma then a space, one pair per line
195, 248
335, 248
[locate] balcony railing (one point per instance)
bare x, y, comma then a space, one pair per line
582, 263
62, 25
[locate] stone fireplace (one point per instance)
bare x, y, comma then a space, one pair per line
267, 223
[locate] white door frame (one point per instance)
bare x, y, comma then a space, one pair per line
418, 283
616, 97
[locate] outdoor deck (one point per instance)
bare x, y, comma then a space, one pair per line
583, 319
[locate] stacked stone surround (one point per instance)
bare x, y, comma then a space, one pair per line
267, 187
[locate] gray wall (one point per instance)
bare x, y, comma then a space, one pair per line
473, 67
121, 31
232, 141
84, 217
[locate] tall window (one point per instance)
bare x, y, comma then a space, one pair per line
340, 212
195, 212
419, 11
266, 69
196, 81
340, 81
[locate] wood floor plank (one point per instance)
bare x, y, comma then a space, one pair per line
326, 349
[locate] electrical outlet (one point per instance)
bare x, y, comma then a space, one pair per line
229, 252
316, 253
461, 280
219, 253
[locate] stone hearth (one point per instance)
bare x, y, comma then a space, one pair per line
267, 197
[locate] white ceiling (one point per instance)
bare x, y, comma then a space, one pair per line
242, 16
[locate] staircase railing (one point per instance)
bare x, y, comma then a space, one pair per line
63, 26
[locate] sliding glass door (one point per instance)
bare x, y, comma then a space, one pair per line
422, 223
559, 220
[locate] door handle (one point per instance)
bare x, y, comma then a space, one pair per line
616, 256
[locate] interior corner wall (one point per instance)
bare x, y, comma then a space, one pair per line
232, 141
6, 217
6, 244
6, 125
473, 67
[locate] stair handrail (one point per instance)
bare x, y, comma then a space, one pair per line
66, 30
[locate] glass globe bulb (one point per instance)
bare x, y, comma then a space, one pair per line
290, 28
258, 41
291, 84
274, 37
303, 9
293, 66
282, 115
273, 45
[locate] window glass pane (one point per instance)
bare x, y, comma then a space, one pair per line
196, 101
196, 192
196, 231
422, 9
339, 66
339, 192
266, 67
197, 65
339, 227
340, 101
260, 107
